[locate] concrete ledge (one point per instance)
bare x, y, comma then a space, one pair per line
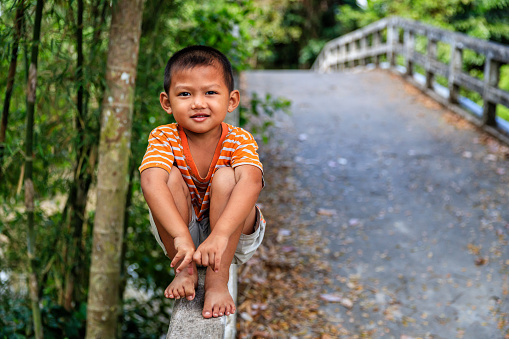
187, 321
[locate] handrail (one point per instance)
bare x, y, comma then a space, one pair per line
368, 43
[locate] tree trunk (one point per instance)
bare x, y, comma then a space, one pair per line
150, 27
29, 185
20, 11
113, 168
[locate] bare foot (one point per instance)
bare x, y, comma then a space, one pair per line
183, 285
218, 301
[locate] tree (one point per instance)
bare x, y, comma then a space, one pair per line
29, 184
112, 181
18, 22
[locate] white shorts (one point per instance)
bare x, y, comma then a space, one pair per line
200, 230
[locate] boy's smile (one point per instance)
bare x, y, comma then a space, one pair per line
199, 100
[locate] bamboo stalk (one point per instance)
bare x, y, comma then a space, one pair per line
29, 186
18, 22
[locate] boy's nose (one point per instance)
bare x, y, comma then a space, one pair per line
198, 103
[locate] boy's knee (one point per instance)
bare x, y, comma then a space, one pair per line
176, 181
224, 181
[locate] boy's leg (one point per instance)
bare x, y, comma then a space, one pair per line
218, 301
183, 285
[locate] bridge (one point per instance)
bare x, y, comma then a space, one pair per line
404, 182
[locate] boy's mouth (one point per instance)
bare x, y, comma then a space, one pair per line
199, 117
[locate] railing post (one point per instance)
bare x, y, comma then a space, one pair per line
353, 50
491, 79
338, 53
432, 54
377, 41
455, 68
362, 52
409, 52
342, 56
335, 50
326, 59
392, 39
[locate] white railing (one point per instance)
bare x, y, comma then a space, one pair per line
393, 37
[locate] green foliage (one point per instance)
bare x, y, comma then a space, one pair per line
308, 54
260, 115
503, 111
483, 19
147, 318
15, 318
233, 27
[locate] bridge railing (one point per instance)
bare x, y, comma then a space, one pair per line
392, 37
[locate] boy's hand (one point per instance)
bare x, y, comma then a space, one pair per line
210, 252
185, 251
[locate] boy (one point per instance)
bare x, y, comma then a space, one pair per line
201, 178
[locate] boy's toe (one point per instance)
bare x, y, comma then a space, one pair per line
222, 310
168, 293
215, 311
207, 310
190, 296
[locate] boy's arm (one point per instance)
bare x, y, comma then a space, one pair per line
160, 201
242, 199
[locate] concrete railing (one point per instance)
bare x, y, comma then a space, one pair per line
392, 37
187, 320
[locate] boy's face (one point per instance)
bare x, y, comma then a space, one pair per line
199, 99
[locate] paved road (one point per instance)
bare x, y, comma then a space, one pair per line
412, 206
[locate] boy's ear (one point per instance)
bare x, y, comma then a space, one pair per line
165, 102
234, 100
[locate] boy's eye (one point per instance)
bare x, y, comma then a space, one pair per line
211, 92
184, 94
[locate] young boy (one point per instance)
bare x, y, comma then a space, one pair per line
201, 178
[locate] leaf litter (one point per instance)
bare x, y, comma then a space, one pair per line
282, 286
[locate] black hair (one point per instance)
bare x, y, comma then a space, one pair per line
193, 56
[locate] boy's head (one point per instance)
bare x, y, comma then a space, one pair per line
194, 56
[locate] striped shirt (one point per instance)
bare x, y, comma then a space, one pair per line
167, 146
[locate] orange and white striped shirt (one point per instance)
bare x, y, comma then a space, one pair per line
167, 145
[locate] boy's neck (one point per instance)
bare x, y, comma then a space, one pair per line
204, 138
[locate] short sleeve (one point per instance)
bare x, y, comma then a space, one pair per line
159, 150
246, 152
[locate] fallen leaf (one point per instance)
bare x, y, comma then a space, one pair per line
331, 298
287, 249
337, 299
303, 137
326, 212
246, 316
479, 261
353, 222
346, 303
